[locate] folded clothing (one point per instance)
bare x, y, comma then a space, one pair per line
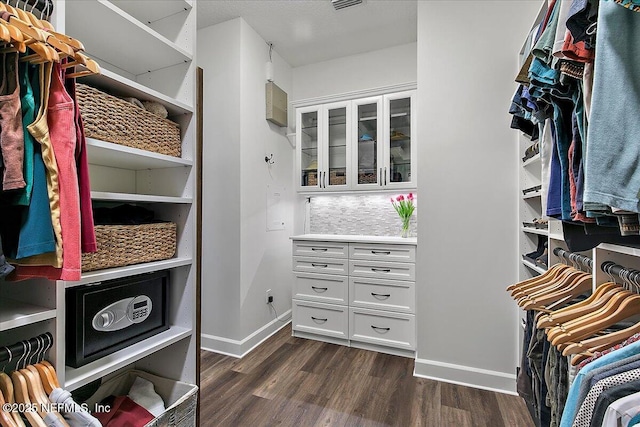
123, 412
125, 214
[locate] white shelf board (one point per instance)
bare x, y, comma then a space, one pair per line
14, 314
144, 13
532, 195
129, 270
119, 156
148, 198
627, 250
533, 266
121, 40
541, 231
532, 160
116, 85
77, 377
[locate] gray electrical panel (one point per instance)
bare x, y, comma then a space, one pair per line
276, 104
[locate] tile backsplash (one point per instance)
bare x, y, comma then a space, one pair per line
367, 214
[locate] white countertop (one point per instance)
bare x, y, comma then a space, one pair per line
357, 239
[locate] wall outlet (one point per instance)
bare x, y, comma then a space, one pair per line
269, 298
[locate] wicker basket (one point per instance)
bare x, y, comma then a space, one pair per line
120, 245
111, 119
179, 398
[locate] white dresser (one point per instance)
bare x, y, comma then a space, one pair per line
357, 291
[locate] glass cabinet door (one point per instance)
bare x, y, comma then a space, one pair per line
336, 154
310, 176
399, 152
368, 120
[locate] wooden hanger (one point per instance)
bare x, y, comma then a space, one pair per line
90, 66
607, 340
22, 396
565, 314
537, 285
577, 287
563, 279
49, 380
547, 275
609, 307
597, 322
5, 419
6, 386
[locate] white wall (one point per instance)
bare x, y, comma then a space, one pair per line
383, 67
241, 260
467, 59
218, 53
266, 256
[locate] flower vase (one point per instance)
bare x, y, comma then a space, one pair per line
405, 227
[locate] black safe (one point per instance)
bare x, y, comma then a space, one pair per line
108, 316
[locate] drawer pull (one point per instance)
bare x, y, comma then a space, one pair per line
377, 328
317, 319
381, 270
381, 252
317, 289
380, 296
320, 265
319, 249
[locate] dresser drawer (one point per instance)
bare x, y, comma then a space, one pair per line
377, 252
382, 270
320, 249
383, 328
380, 294
321, 287
322, 319
320, 265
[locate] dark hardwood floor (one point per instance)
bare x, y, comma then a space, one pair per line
290, 381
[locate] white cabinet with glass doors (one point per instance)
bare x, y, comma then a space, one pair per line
361, 144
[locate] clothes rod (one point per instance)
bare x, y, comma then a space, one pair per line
574, 258
26, 350
626, 274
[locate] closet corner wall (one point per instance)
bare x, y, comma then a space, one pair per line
146, 50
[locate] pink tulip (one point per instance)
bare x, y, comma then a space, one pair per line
410, 196
392, 201
400, 198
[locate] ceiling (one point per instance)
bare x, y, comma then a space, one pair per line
308, 31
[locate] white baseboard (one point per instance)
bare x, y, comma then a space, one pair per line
484, 379
240, 348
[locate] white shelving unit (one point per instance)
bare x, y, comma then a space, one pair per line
540, 231
537, 268
146, 50
14, 314
124, 197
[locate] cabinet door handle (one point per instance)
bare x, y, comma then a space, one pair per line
317, 319
319, 249
377, 328
381, 270
325, 180
380, 177
320, 265
385, 175
381, 252
316, 288
380, 296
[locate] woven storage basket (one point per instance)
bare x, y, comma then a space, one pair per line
120, 245
179, 398
111, 119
